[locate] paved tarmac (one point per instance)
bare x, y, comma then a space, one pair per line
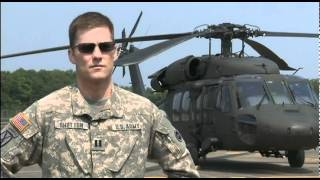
230, 164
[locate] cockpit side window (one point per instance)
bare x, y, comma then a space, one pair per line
251, 93
302, 92
279, 92
225, 99
218, 97
198, 112
176, 106
185, 106
210, 98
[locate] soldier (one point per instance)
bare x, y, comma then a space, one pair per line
93, 128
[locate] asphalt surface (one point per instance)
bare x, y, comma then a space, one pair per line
230, 164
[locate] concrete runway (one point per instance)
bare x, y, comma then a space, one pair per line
230, 164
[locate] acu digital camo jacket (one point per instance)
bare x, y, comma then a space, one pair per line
62, 135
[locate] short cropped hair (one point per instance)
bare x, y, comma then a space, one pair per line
88, 21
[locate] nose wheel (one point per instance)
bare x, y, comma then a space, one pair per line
296, 158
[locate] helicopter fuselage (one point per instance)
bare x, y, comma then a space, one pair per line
239, 104
268, 121
215, 112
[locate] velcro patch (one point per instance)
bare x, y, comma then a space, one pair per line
71, 125
126, 126
6, 136
21, 122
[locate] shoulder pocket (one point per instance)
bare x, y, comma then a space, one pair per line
171, 138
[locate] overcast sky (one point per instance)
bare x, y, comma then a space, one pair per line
31, 26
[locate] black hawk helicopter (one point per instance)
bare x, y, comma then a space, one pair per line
229, 101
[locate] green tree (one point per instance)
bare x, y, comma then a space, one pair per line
315, 85
19, 89
155, 97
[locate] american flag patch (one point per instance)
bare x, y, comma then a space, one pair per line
21, 122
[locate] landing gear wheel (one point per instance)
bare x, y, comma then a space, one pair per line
296, 158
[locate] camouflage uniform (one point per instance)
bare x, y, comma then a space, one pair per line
66, 138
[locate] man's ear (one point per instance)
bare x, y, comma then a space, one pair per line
71, 56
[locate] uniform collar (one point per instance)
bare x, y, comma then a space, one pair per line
81, 107
116, 105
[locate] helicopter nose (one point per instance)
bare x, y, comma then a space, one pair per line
294, 136
302, 135
298, 130
291, 130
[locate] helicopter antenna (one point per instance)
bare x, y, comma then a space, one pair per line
296, 70
258, 28
197, 27
210, 48
241, 54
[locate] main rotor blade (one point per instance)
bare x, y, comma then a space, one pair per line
35, 52
267, 53
123, 35
288, 34
152, 37
142, 54
125, 44
135, 25
133, 39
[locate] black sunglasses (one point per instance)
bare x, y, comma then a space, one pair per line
88, 48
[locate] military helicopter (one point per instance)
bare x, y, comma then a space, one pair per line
229, 101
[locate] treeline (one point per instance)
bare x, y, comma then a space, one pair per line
315, 85
19, 89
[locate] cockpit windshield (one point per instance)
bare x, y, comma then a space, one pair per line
258, 92
303, 93
251, 93
279, 92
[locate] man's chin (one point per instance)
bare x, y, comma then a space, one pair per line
96, 77
99, 78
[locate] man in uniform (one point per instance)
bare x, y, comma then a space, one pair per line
93, 128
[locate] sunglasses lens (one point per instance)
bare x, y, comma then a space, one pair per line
86, 48
106, 47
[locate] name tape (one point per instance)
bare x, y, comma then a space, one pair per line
71, 125
126, 126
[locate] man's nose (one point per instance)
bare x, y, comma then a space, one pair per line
96, 52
